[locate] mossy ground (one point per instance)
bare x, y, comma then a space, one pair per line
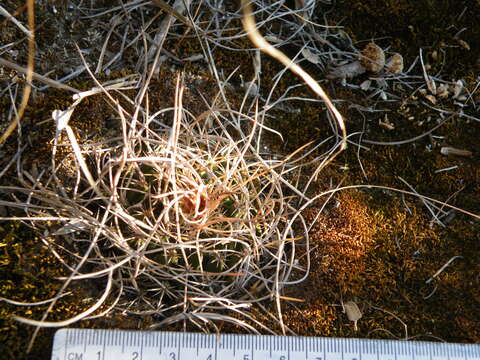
375, 247
379, 248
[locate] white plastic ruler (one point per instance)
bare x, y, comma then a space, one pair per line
90, 344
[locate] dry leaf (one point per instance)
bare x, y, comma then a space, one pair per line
353, 312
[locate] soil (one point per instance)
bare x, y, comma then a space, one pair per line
377, 247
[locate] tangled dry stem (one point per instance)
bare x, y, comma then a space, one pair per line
184, 221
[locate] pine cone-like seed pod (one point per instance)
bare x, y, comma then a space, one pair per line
372, 58
394, 64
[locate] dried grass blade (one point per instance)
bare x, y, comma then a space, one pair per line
259, 41
31, 61
73, 319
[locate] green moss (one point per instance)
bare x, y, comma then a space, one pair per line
407, 26
372, 248
401, 247
370, 251
27, 274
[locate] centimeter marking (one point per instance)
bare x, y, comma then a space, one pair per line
92, 344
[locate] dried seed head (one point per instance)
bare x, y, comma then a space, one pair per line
372, 58
442, 91
458, 88
451, 151
431, 98
310, 56
394, 64
366, 85
353, 312
463, 44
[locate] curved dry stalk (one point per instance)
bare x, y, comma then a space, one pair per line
37, 303
5, 13
74, 319
36, 76
259, 41
188, 212
30, 64
190, 217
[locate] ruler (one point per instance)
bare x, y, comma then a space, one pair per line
90, 344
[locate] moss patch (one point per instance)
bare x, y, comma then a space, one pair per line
375, 247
